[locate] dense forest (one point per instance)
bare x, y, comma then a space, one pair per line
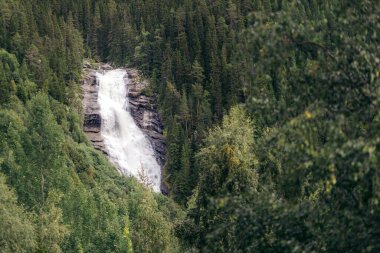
271, 115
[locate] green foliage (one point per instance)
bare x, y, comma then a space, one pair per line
296, 170
151, 231
50, 229
312, 89
9, 71
227, 169
226, 160
77, 199
69, 198
187, 46
17, 232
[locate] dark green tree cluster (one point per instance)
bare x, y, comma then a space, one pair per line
303, 175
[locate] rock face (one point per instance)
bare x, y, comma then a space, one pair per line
91, 109
142, 107
144, 111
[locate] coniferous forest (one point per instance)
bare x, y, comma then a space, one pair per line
271, 111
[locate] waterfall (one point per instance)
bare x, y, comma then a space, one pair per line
126, 144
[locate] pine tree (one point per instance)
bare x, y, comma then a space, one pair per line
184, 112
93, 36
184, 179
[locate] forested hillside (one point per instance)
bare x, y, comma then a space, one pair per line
271, 114
57, 193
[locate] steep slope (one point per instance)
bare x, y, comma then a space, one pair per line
69, 197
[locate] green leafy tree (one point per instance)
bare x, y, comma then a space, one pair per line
150, 230
227, 168
17, 231
50, 228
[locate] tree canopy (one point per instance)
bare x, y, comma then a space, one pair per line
271, 115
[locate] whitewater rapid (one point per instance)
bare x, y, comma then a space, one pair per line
126, 144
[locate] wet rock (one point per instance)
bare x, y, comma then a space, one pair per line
144, 111
91, 110
106, 67
86, 65
92, 122
133, 94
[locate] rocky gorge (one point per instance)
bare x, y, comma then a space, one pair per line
142, 107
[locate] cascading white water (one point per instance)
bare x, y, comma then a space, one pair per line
127, 145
